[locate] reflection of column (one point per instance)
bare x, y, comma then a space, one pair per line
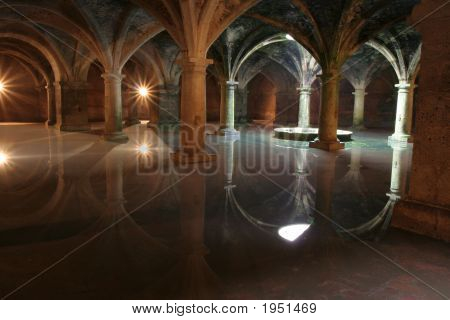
358, 112
201, 281
305, 102
402, 132
113, 107
355, 160
51, 106
229, 161
325, 183
114, 183
328, 118
399, 170
169, 104
71, 106
227, 113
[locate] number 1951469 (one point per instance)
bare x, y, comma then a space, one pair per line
289, 308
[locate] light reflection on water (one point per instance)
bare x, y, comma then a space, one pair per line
191, 234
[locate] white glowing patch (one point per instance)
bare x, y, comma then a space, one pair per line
143, 92
3, 158
289, 37
293, 232
2, 86
143, 149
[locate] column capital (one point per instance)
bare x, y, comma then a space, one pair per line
232, 83
305, 89
327, 75
403, 85
359, 91
194, 63
113, 76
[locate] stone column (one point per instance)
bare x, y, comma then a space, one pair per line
169, 105
358, 111
71, 106
304, 107
227, 114
401, 133
51, 104
113, 108
328, 121
193, 111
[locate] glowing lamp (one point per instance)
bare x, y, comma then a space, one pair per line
293, 232
143, 149
289, 37
2, 86
3, 158
143, 92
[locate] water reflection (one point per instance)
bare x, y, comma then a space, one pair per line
105, 230
379, 224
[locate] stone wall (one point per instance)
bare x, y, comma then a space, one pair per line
426, 209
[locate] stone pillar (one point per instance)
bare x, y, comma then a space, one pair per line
193, 111
304, 107
241, 104
227, 112
402, 132
358, 111
71, 106
328, 118
169, 105
51, 104
113, 108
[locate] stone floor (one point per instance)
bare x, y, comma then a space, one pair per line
81, 218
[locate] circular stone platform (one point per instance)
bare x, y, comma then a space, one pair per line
307, 134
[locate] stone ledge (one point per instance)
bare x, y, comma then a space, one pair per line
423, 219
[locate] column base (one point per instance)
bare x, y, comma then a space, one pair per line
183, 158
423, 219
327, 146
225, 132
132, 122
74, 128
117, 137
50, 123
399, 138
